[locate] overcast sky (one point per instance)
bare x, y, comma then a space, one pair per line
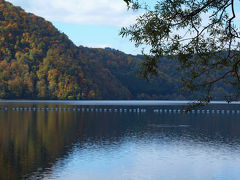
92, 23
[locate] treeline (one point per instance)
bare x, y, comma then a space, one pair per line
39, 62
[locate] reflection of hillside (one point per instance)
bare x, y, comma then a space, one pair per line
30, 140
33, 140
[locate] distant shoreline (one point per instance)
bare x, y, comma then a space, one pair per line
111, 102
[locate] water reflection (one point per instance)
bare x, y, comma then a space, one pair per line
94, 145
32, 140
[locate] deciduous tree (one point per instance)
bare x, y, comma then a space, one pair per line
202, 35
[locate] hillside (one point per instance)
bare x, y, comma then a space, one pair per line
39, 62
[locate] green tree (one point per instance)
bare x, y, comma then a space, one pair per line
202, 35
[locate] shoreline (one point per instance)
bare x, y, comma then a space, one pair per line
113, 102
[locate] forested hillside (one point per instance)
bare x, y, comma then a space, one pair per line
39, 62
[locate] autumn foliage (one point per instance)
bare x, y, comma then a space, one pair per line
39, 62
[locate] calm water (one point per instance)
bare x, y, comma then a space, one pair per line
79, 143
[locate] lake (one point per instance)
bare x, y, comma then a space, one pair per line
120, 140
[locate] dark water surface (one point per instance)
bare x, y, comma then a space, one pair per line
82, 143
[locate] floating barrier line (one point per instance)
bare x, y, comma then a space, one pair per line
124, 110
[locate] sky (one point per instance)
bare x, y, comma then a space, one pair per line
91, 23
